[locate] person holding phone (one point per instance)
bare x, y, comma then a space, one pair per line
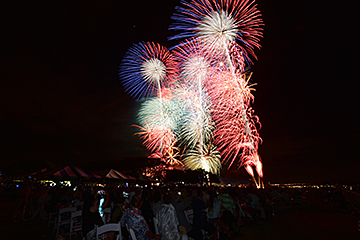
91, 217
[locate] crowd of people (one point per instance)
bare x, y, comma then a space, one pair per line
167, 212
197, 212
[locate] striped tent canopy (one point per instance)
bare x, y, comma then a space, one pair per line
72, 171
44, 170
114, 174
146, 179
43, 173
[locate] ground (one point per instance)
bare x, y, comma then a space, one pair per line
310, 222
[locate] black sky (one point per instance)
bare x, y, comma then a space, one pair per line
62, 102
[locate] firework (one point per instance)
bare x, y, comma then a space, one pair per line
193, 65
206, 158
255, 161
145, 69
250, 171
159, 121
196, 127
171, 155
220, 23
192, 61
236, 132
159, 112
258, 167
201, 96
156, 139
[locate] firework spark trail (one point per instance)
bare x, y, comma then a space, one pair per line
196, 127
236, 133
250, 171
258, 167
160, 119
171, 154
193, 64
256, 162
250, 143
156, 139
146, 70
220, 24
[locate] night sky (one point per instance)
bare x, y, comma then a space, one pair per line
62, 101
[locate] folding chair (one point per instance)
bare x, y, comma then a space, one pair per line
156, 223
189, 214
78, 205
107, 215
63, 220
51, 218
111, 227
76, 223
132, 234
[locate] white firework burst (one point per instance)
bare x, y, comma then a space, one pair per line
196, 124
153, 70
218, 29
195, 67
157, 112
